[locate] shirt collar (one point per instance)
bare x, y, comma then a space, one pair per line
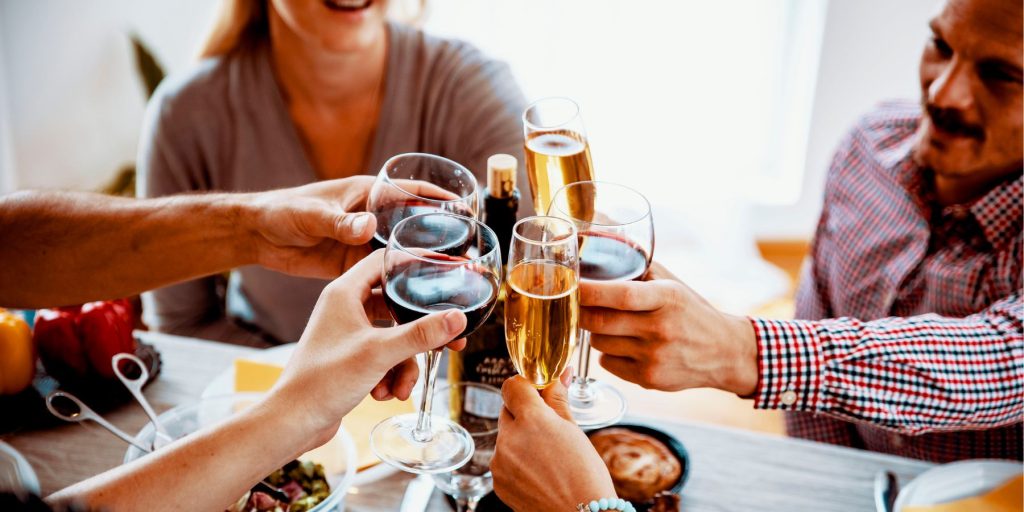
999, 212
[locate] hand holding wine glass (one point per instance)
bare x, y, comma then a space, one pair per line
435, 262
662, 335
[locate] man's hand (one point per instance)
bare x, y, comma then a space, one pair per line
543, 461
660, 334
317, 230
342, 356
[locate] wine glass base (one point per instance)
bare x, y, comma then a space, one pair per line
449, 447
601, 405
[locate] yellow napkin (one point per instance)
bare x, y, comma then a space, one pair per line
253, 376
1005, 498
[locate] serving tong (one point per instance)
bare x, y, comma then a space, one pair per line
134, 383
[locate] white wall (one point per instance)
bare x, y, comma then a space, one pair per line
74, 104
870, 53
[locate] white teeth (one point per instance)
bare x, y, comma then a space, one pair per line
349, 4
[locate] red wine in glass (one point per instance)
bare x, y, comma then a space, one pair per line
389, 216
607, 257
415, 290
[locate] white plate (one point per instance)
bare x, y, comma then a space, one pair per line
16, 473
224, 384
956, 480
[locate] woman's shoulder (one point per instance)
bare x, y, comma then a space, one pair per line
423, 50
207, 84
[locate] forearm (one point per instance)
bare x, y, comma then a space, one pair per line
208, 470
111, 247
913, 375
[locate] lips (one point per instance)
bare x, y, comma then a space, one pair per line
347, 5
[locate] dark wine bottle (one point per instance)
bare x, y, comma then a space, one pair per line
485, 359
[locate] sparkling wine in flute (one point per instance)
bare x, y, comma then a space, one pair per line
541, 319
554, 159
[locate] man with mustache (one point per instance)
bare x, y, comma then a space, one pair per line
910, 335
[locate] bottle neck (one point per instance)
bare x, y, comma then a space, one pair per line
500, 216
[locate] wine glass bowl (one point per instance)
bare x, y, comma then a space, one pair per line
414, 183
435, 262
542, 298
556, 148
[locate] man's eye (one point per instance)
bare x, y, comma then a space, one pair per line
997, 73
941, 47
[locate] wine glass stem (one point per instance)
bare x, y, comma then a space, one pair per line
582, 372
422, 431
467, 504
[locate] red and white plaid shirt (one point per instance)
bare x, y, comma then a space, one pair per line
913, 343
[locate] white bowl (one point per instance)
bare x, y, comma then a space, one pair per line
338, 456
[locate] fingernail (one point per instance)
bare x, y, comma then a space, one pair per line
452, 322
360, 221
566, 376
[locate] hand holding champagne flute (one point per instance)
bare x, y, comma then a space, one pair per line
542, 298
434, 262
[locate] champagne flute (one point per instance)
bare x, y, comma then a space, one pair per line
476, 407
616, 243
542, 298
413, 183
557, 152
435, 262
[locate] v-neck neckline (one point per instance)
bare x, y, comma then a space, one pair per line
304, 170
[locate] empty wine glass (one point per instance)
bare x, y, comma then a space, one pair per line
435, 262
476, 408
616, 243
413, 183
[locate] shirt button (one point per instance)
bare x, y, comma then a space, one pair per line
957, 211
789, 397
897, 441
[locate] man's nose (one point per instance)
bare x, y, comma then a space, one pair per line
952, 88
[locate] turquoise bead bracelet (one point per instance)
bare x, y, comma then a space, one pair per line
606, 504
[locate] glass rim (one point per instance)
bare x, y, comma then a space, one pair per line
384, 174
647, 213
547, 218
538, 127
480, 385
495, 246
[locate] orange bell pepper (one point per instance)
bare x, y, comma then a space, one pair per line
17, 355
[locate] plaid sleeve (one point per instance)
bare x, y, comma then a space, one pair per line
914, 375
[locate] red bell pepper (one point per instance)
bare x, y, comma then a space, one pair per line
76, 342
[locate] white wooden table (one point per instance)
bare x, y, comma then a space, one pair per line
730, 470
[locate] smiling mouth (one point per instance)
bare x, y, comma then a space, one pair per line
347, 5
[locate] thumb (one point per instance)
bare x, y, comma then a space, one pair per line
428, 333
351, 228
557, 398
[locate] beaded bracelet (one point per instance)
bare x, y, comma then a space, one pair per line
606, 504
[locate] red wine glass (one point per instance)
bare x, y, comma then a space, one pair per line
616, 243
435, 262
414, 183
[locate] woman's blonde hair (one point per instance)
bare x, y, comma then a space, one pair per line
242, 22
238, 23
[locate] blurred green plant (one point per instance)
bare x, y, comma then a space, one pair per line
151, 73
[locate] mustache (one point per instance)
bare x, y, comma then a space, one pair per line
952, 121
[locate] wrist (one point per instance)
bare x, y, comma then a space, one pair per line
742, 380
245, 213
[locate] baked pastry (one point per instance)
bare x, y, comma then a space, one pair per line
641, 466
